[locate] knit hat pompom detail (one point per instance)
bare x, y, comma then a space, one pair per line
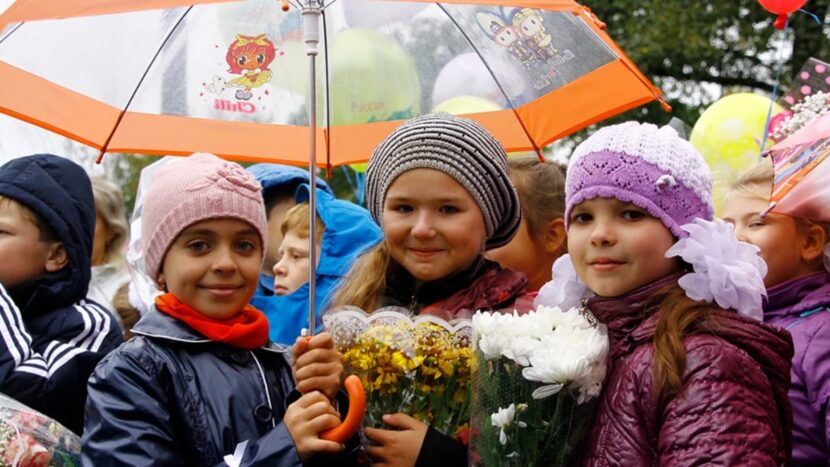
462, 149
194, 189
651, 167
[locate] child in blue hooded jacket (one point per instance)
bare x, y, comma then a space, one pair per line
279, 184
347, 231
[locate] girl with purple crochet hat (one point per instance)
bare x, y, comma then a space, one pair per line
694, 377
797, 254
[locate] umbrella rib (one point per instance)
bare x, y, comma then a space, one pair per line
495, 80
14, 29
140, 82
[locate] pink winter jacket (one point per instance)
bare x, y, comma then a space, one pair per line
733, 410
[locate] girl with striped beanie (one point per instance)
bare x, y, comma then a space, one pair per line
439, 188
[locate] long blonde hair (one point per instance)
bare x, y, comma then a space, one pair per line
366, 280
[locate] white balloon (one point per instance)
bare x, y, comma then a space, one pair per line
372, 14
466, 75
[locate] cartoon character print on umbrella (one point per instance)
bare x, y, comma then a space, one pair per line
522, 32
250, 56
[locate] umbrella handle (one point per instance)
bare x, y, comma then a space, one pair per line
354, 417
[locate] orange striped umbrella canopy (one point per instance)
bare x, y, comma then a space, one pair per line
231, 77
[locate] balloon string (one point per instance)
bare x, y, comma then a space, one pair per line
772, 97
812, 15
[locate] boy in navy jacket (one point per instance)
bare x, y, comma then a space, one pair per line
51, 336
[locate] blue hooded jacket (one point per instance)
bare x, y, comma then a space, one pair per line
350, 230
274, 177
51, 337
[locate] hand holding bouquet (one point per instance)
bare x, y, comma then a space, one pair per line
420, 366
535, 385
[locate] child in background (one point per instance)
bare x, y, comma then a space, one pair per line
109, 270
797, 254
439, 188
690, 381
344, 231
199, 383
541, 238
293, 257
279, 184
51, 336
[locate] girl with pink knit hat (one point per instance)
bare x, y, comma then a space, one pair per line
200, 384
694, 377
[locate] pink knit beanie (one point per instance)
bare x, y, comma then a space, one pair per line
191, 190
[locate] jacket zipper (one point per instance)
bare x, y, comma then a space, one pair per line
265, 386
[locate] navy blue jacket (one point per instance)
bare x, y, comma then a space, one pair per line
51, 337
277, 177
350, 231
170, 396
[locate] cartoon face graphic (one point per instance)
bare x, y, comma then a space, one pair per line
250, 60
506, 36
531, 25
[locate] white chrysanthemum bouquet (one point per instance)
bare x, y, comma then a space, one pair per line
535, 385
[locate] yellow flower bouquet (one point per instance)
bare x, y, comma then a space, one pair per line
417, 365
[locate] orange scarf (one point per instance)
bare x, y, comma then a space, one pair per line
248, 329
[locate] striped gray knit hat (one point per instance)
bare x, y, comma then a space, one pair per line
462, 149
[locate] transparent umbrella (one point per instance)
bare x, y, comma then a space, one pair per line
320, 83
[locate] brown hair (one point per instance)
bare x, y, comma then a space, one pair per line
541, 188
678, 317
296, 220
366, 281
128, 313
46, 234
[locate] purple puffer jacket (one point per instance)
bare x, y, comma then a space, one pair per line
801, 307
734, 408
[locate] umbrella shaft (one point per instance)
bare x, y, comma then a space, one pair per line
311, 33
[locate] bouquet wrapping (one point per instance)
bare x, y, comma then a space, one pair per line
417, 365
535, 385
31, 439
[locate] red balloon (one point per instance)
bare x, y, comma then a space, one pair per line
782, 7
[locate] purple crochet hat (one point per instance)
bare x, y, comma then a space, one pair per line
651, 167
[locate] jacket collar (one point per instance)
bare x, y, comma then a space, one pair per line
627, 316
798, 295
401, 287
159, 325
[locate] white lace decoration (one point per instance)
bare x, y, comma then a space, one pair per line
725, 271
565, 290
827, 257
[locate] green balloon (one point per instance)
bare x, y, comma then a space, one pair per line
466, 105
372, 79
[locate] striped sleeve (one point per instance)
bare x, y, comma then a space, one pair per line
18, 355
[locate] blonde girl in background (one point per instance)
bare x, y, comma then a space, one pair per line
797, 254
109, 269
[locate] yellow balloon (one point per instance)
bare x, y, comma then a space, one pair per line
466, 105
729, 136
